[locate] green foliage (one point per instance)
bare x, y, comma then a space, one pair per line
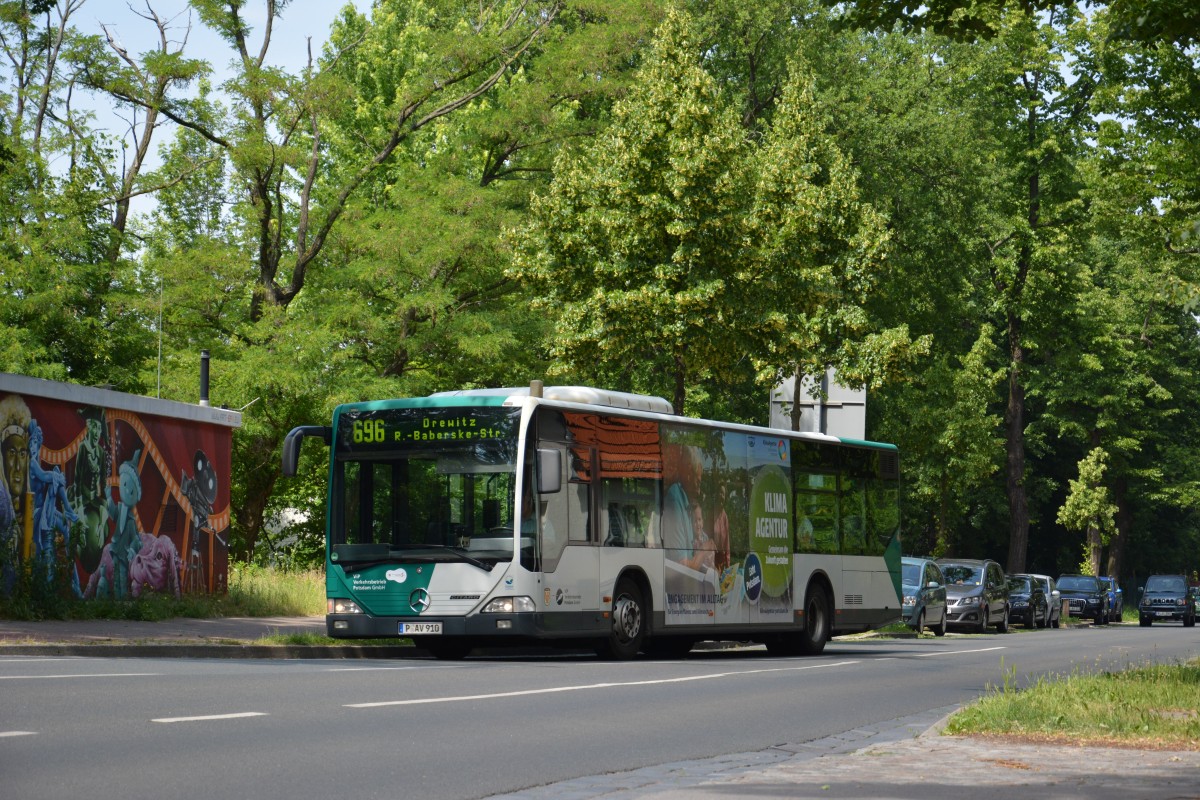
1088, 505
1145, 21
676, 242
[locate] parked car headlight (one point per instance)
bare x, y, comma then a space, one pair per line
910, 600
973, 600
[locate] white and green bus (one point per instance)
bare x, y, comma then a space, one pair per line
576, 516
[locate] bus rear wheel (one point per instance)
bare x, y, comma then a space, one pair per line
628, 623
816, 622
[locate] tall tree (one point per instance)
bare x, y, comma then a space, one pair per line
673, 243
1038, 126
65, 305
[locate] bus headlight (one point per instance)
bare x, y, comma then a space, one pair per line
338, 605
509, 605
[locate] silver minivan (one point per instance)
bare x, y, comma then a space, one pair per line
976, 594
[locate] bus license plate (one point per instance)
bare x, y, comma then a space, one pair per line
420, 628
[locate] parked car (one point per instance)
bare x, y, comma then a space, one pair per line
924, 603
1167, 597
1053, 597
1087, 597
1116, 599
976, 594
1027, 602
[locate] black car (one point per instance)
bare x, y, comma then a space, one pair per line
1027, 602
1053, 598
1087, 596
1167, 597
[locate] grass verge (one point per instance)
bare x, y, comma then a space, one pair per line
1151, 707
253, 592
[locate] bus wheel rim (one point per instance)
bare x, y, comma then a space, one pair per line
627, 618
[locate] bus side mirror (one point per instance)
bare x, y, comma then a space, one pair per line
549, 471
291, 444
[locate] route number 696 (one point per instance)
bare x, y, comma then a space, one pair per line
368, 431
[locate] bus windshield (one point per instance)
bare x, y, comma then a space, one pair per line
432, 499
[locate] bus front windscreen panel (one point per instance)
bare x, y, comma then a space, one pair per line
424, 479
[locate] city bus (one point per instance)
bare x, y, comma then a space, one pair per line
585, 517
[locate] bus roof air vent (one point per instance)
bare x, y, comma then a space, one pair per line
576, 394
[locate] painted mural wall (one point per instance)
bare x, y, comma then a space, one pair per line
109, 499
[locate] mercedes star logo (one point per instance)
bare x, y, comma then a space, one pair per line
418, 601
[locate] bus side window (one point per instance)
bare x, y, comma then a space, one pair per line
578, 489
628, 505
815, 485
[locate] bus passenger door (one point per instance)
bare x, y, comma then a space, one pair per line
571, 589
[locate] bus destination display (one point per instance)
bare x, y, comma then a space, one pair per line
402, 428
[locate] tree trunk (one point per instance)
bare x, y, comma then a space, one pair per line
249, 518
256, 458
796, 394
1018, 503
680, 384
1116, 543
1095, 546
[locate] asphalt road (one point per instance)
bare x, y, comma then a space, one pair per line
416, 728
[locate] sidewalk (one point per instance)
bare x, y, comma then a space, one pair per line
905, 759
221, 637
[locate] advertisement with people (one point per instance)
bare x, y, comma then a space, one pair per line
726, 527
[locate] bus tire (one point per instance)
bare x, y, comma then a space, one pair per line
817, 622
628, 623
448, 649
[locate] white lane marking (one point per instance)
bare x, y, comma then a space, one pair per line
17, 733
557, 689
378, 669
81, 675
211, 717
959, 652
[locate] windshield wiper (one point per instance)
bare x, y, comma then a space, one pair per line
458, 552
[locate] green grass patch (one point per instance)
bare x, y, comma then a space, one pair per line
1150, 706
264, 592
253, 592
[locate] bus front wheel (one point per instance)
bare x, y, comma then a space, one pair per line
816, 622
628, 623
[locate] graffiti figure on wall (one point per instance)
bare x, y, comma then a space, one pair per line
14, 478
52, 511
155, 567
126, 538
88, 495
201, 492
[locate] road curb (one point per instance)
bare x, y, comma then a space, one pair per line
135, 650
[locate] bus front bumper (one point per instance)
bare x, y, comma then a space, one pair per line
476, 626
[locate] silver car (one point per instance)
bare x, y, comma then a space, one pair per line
924, 603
